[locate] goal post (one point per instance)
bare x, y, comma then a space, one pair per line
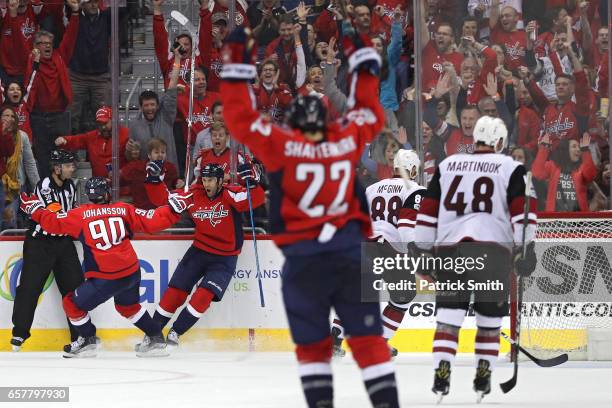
567, 303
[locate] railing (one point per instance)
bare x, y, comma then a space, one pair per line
18, 232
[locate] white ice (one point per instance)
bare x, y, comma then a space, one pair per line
269, 380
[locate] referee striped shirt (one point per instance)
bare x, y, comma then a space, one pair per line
55, 198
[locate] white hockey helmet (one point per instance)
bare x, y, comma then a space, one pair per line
489, 131
409, 161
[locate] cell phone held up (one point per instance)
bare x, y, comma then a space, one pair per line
181, 50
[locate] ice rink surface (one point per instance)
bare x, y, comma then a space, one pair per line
269, 380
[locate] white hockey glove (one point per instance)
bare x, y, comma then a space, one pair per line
179, 202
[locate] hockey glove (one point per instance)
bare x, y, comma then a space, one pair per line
425, 271
30, 203
360, 54
239, 55
178, 202
247, 173
526, 266
154, 171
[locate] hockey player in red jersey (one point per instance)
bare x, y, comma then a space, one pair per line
394, 203
111, 266
318, 214
216, 211
474, 208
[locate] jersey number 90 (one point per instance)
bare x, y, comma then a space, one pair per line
108, 232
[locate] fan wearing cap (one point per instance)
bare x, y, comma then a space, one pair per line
98, 142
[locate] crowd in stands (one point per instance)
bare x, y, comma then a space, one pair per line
539, 65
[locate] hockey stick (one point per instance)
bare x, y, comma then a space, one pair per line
549, 362
184, 21
261, 294
511, 383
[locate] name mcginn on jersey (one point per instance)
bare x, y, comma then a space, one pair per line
320, 150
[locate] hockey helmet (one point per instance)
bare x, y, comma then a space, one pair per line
212, 170
307, 113
409, 161
489, 131
61, 156
98, 190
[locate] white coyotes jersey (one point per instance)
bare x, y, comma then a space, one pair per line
474, 198
393, 208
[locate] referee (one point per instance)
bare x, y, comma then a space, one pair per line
44, 252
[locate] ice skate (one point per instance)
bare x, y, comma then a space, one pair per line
482, 381
441, 380
172, 340
152, 347
16, 343
83, 347
337, 350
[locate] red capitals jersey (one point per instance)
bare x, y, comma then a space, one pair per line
105, 231
312, 185
165, 55
208, 156
202, 112
457, 142
433, 67
515, 43
218, 222
566, 121
274, 102
17, 37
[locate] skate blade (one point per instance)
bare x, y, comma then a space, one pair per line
439, 398
479, 396
87, 352
15, 349
154, 353
171, 346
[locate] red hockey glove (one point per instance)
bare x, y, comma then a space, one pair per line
30, 203
360, 54
178, 202
239, 55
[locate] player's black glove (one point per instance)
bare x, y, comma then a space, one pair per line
526, 266
179, 202
247, 174
360, 54
154, 170
239, 55
426, 271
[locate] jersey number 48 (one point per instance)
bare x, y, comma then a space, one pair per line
482, 193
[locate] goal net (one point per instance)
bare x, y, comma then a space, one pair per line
567, 303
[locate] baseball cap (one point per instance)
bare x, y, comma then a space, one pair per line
104, 114
219, 16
